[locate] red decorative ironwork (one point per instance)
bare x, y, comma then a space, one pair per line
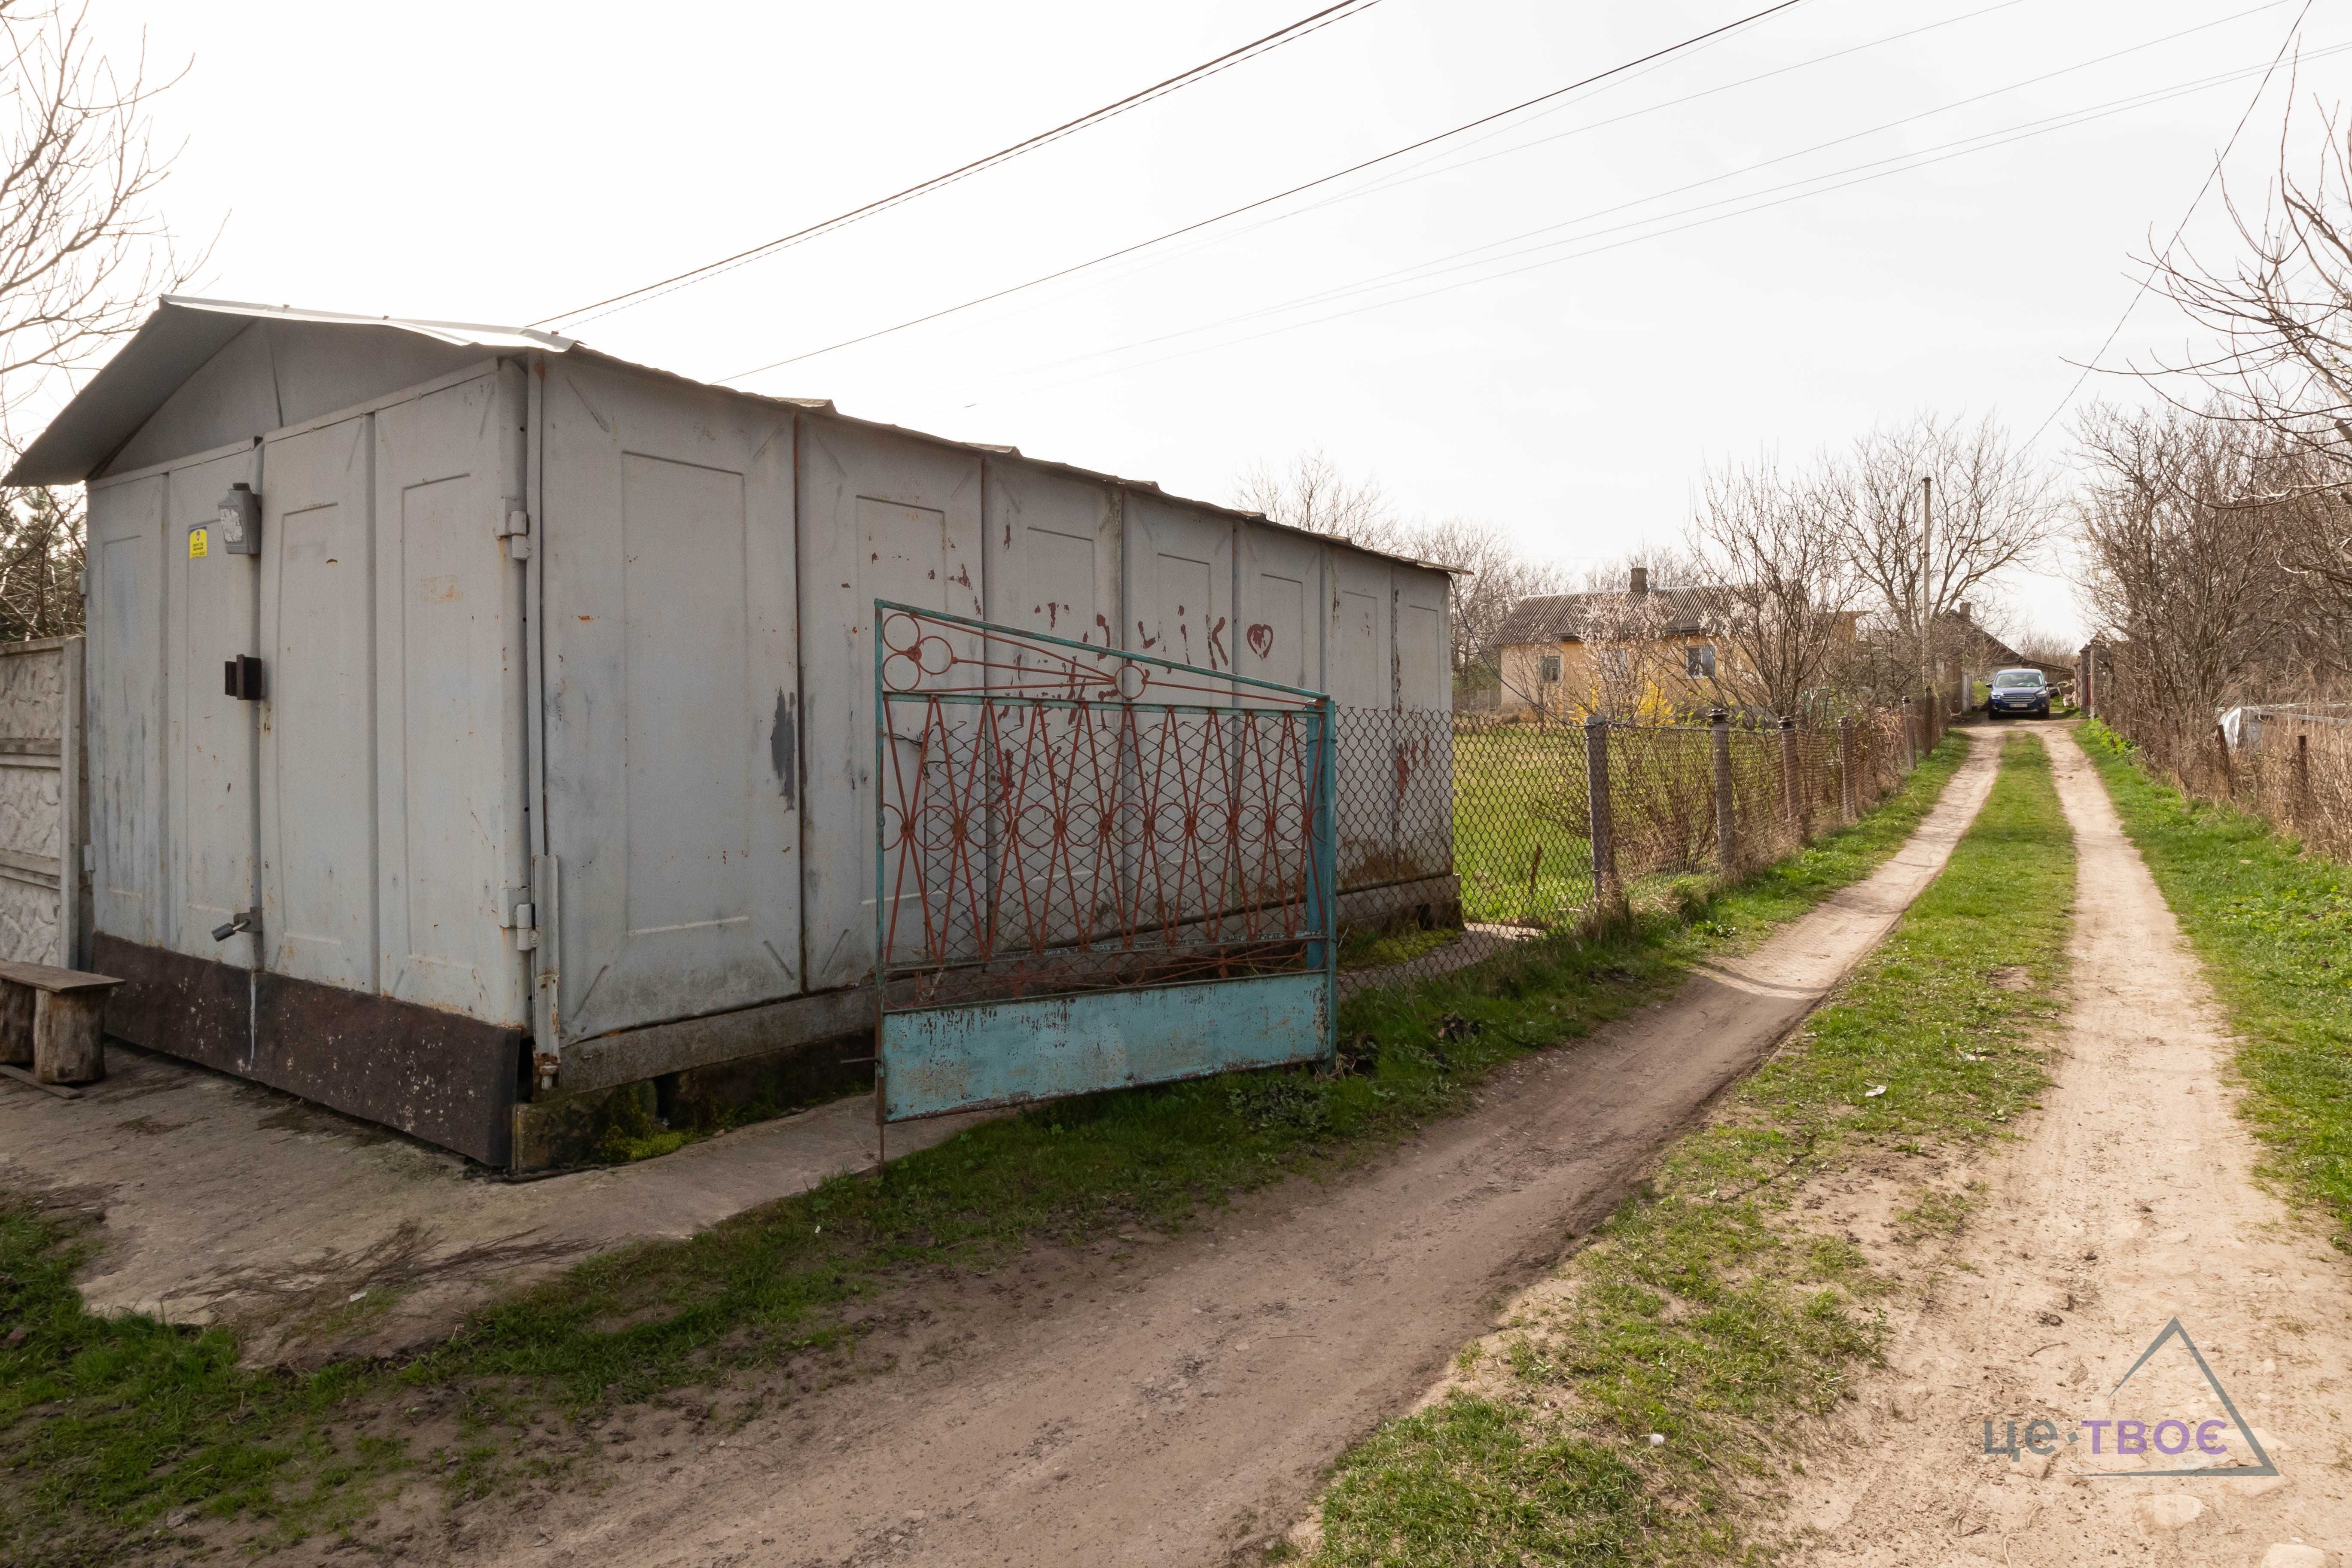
1056, 817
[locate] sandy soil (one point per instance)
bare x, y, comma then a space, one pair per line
2130, 1203
1175, 1401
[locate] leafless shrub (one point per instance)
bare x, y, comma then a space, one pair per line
83, 244
1926, 515
1776, 585
2280, 314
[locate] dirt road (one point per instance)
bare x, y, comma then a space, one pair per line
2131, 1202
1174, 1402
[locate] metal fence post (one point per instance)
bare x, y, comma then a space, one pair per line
1845, 768
1791, 790
1603, 830
1726, 835
1914, 715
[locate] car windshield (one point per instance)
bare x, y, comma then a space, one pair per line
2017, 678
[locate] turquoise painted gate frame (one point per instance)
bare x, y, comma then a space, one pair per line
966, 1056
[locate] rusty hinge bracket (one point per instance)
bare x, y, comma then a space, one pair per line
518, 915
514, 527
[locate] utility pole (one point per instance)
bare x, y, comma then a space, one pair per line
1926, 578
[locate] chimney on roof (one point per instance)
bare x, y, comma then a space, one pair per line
1641, 584
1964, 613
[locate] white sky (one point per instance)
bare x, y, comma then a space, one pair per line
501, 163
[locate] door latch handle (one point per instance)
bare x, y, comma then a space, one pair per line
243, 921
241, 679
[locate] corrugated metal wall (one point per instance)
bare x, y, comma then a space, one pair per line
705, 568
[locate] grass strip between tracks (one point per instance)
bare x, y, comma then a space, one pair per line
2273, 928
110, 1428
1707, 1310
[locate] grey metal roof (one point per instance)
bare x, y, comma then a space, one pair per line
184, 332
171, 346
1550, 617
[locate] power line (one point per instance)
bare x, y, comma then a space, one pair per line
2211, 175
1961, 148
1432, 168
1439, 263
1312, 23
1684, 45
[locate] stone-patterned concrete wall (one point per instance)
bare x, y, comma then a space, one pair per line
39, 800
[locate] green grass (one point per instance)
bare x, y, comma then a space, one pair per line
1706, 1310
2273, 928
108, 1425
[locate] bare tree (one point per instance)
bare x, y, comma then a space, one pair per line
1926, 513
1312, 494
2188, 579
1493, 574
83, 246
2281, 315
1778, 585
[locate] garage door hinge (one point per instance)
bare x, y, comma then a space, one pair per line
517, 914
516, 530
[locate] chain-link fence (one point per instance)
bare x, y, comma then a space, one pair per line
2288, 762
1462, 835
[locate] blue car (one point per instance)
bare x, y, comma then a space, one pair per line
2018, 692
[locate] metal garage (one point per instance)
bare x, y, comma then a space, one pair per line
548, 763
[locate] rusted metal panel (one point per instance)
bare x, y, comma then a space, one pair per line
193, 1008
1424, 740
212, 604
318, 859
449, 707
1053, 553
1281, 588
1009, 1053
881, 517
673, 691
125, 608
1179, 582
1360, 647
439, 1076
632, 1055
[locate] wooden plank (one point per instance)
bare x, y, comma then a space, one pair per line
23, 861
69, 1036
63, 1091
49, 977
30, 747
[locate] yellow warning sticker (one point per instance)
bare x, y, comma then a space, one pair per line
195, 544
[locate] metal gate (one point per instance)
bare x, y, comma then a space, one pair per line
1093, 869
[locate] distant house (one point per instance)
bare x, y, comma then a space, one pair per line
1640, 648
1966, 651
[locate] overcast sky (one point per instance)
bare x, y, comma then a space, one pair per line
503, 162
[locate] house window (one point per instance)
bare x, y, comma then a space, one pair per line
1701, 662
1550, 673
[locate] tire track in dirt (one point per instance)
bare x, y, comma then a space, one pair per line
2131, 1200
1180, 1407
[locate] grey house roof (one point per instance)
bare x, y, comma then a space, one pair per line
1550, 617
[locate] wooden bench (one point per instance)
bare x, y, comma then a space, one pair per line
55, 1021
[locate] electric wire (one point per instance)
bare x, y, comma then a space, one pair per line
1674, 48
1985, 142
1432, 167
1424, 270
1312, 23
2180, 228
